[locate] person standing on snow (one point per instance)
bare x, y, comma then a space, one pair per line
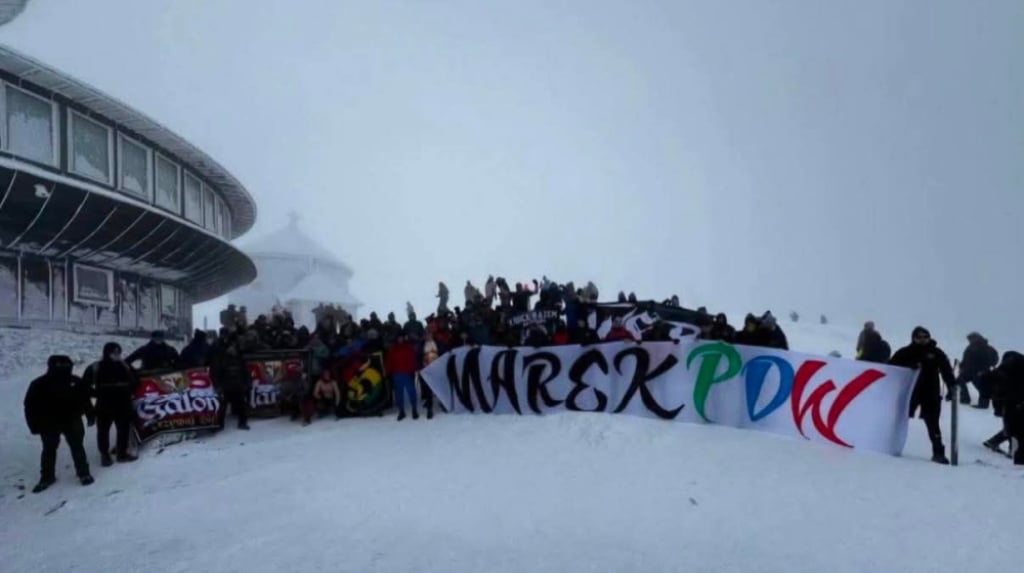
113, 384
231, 376
872, 347
1006, 385
924, 354
773, 334
431, 352
197, 353
54, 406
400, 364
979, 357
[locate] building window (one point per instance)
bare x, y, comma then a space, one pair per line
209, 215
134, 167
168, 301
35, 289
168, 188
129, 303
222, 221
91, 148
94, 286
60, 291
29, 125
193, 199
8, 287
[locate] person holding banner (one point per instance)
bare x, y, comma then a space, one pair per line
113, 384
231, 376
924, 355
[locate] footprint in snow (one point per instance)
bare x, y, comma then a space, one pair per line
693, 502
54, 509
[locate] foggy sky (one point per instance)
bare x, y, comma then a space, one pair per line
862, 160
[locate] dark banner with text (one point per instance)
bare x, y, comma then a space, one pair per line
276, 376
175, 401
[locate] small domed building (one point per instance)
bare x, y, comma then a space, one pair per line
297, 273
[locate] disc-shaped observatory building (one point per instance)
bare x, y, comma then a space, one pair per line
108, 221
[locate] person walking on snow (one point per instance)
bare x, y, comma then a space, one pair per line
979, 357
54, 406
400, 363
924, 354
113, 384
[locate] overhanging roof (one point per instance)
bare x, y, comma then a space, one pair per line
56, 218
240, 202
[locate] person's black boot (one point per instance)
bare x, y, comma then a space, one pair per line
983, 404
415, 414
430, 414
243, 426
401, 415
106, 461
126, 458
86, 479
43, 485
939, 454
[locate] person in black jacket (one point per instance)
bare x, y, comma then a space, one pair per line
113, 384
773, 335
753, 334
197, 353
924, 354
231, 376
1006, 384
979, 357
873, 348
156, 354
54, 406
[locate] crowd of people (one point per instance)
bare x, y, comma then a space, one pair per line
542, 313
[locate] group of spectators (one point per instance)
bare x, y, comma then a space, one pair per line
541, 313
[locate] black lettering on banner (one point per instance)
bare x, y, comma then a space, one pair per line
579, 368
463, 388
641, 377
503, 375
534, 366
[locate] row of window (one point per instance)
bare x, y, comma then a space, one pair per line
30, 130
34, 289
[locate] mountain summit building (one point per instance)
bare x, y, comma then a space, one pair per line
108, 221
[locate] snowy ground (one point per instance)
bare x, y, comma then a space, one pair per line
477, 493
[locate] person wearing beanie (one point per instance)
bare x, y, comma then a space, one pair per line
923, 354
113, 384
54, 405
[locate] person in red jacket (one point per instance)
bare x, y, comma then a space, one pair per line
401, 364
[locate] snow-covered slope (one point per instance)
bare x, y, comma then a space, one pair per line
585, 492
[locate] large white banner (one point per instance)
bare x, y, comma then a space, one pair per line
843, 402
